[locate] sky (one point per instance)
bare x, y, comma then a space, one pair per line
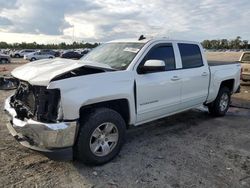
54, 21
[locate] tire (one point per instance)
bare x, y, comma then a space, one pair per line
33, 59
90, 143
50, 57
17, 56
221, 104
4, 61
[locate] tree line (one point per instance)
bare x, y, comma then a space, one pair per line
236, 43
34, 45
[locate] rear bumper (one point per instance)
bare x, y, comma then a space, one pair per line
55, 140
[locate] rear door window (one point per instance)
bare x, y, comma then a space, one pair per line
190, 55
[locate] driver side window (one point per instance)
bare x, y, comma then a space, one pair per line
164, 53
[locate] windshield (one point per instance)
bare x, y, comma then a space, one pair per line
246, 57
116, 55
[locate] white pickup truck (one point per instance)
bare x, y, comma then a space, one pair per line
82, 108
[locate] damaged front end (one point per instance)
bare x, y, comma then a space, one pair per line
36, 102
35, 120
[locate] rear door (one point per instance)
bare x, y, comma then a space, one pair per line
39, 55
44, 55
158, 93
194, 74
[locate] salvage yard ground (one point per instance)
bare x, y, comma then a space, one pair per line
190, 149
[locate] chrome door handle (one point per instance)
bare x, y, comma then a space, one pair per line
204, 74
175, 78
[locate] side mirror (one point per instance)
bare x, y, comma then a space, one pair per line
152, 65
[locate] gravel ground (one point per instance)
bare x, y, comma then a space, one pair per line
190, 149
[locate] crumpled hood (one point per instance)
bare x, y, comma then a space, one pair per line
41, 72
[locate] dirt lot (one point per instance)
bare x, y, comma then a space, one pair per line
190, 149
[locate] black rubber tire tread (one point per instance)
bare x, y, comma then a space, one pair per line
214, 107
87, 125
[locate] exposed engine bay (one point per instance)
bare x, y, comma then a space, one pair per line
36, 102
80, 72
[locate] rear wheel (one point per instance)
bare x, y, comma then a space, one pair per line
33, 59
101, 136
17, 56
221, 104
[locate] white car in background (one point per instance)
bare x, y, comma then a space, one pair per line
21, 53
38, 55
4, 58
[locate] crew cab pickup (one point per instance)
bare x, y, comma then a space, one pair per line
82, 108
245, 63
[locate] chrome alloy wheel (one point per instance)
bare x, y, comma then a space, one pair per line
224, 102
104, 139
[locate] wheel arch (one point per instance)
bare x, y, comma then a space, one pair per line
228, 83
119, 105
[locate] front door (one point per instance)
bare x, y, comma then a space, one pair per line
158, 93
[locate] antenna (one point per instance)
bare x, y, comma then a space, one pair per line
142, 37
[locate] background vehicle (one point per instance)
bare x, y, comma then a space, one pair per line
83, 51
245, 64
71, 55
51, 52
4, 58
21, 53
38, 55
87, 105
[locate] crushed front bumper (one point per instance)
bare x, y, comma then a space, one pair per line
55, 140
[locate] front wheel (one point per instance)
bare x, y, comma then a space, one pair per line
101, 136
221, 104
4, 61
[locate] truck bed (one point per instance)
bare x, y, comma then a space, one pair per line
216, 63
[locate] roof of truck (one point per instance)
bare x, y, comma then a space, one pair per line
136, 40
